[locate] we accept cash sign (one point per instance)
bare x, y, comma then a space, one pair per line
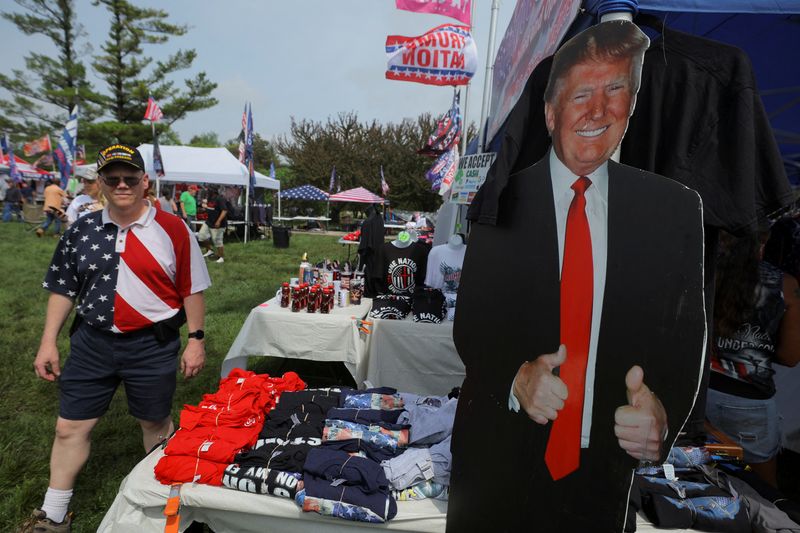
471, 174
445, 55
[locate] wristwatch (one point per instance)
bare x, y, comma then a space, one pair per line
199, 334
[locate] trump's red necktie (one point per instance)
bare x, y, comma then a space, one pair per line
562, 455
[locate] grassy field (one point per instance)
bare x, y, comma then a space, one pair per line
28, 406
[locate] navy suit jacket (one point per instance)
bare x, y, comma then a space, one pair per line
508, 313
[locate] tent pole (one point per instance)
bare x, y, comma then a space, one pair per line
246, 213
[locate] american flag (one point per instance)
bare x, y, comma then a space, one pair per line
384, 185
153, 112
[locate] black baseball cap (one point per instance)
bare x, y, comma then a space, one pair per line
119, 153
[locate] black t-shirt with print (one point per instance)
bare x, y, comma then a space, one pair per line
403, 269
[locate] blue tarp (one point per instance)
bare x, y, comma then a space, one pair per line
304, 192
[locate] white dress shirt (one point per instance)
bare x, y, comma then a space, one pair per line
597, 213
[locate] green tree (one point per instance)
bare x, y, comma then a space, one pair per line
43, 95
205, 140
130, 77
358, 150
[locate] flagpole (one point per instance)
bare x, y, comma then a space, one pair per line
52, 157
487, 81
246, 213
466, 87
158, 178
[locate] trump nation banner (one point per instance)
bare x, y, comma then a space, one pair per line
445, 55
457, 9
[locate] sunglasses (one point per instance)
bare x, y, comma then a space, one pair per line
113, 181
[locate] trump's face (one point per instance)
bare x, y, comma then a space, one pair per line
590, 114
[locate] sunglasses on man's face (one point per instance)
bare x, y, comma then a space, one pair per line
130, 181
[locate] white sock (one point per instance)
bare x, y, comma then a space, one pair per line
56, 503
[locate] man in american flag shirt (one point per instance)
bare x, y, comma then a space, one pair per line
132, 272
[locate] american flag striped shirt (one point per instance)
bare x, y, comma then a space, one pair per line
127, 278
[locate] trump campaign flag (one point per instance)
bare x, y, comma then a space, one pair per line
460, 10
445, 55
65, 148
38, 146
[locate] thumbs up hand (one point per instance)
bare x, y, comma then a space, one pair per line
541, 393
641, 425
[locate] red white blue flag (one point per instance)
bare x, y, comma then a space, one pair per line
445, 55
153, 112
443, 171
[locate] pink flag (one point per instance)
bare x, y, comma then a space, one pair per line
458, 9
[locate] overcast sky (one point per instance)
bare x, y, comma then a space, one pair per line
302, 58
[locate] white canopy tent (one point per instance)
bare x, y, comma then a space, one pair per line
191, 164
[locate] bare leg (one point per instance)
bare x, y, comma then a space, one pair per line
155, 432
767, 471
220, 252
71, 448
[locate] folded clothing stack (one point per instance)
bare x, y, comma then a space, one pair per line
212, 432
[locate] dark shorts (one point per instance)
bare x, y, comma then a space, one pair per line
98, 361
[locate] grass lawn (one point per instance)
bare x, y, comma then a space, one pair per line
29, 406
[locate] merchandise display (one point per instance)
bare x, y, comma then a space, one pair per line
343, 453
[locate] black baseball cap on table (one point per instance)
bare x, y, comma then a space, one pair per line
120, 153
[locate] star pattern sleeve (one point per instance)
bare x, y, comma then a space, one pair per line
62, 274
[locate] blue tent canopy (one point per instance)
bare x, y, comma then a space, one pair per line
304, 192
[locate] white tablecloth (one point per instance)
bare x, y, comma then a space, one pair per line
140, 501
413, 357
271, 330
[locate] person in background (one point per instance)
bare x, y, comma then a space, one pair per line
167, 203
134, 275
756, 324
89, 201
188, 205
151, 197
14, 201
54, 197
212, 232
26, 191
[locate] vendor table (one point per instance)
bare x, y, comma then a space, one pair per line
291, 220
140, 501
272, 330
414, 357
